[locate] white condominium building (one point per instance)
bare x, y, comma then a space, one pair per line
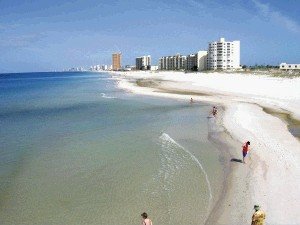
143, 62
285, 66
223, 55
175, 62
197, 61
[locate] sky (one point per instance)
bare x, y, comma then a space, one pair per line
54, 34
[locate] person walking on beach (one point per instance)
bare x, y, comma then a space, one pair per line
146, 220
192, 101
245, 150
258, 216
214, 111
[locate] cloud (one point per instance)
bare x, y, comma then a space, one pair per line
8, 26
195, 4
20, 41
275, 16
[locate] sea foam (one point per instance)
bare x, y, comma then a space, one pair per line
103, 95
167, 140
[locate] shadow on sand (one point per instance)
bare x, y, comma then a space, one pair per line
236, 160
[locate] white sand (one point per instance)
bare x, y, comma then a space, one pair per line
274, 165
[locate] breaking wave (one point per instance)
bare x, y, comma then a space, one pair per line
168, 151
103, 95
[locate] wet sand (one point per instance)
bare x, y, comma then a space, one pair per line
231, 160
292, 123
157, 84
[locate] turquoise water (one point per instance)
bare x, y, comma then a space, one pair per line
74, 149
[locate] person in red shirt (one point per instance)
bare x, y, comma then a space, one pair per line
245, 150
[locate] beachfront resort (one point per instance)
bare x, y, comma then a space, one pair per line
220, 55
150, 112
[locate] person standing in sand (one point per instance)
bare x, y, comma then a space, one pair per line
258, 216
245, 150
146, 220
214, 111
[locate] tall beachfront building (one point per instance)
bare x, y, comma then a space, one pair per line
143, 62
223, 55
175, 62
197, 61
116, 61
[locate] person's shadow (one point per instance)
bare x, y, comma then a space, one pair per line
236, 160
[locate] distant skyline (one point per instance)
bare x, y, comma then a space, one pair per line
55, 35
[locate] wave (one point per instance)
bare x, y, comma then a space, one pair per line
52, 77
103, 95
22, 111
167, 141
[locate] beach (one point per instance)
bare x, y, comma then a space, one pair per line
271, 177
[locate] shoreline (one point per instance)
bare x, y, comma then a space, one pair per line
227, 150
272, 158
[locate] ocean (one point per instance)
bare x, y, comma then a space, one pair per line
75, 149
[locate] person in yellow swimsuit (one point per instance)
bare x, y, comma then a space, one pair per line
258, 217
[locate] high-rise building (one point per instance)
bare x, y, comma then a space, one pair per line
223, 55
116, 61
143, 62
175, 62
197, 61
